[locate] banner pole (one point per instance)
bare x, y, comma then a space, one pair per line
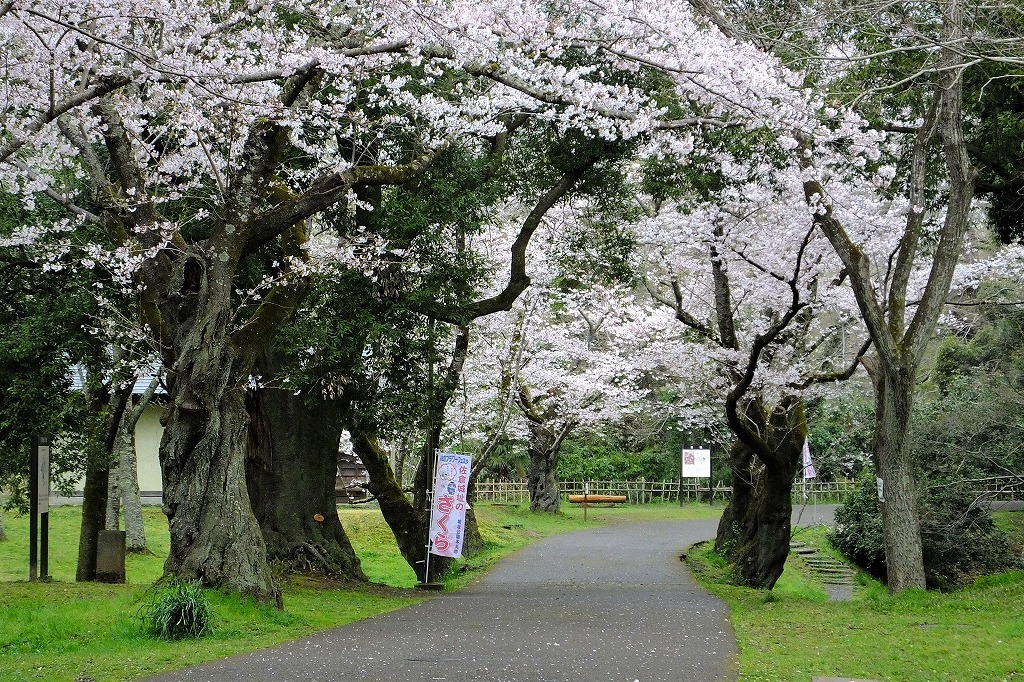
430, 519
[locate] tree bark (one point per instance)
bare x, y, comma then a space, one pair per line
542, 482
123, 484
100, 444
215, 537
732, 526
901, 524
291, 470
761, 555
123, 489
131, 502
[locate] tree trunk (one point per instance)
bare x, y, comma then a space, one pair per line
113, 520
291, 469
761, 557
756, 536
731, 527
131, 502
99, 454
408, 525
123, 485
901, 525
215, 537
541, 480
94, 507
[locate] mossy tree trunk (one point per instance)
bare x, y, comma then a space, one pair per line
106, 410
734, 521
760, 553
542, 480
214, 535
901, 523
547, 433
291, 469
408, 524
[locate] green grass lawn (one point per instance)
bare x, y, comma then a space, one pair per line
794, 633
64, 630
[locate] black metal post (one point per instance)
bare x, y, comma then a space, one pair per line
33, 507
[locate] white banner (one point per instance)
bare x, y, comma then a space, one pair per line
448, 512
809, 471
696, 463
43, 480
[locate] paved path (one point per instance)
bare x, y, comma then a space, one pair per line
612, 603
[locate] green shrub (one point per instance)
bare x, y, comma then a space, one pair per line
178, 610
959, 539
858, 529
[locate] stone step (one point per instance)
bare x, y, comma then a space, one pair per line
805, 551
826, 564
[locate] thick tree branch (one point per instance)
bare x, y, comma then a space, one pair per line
906, 254
832, 377
518, 280
329, 189
681, 314
961, 193
856, 262
104, 86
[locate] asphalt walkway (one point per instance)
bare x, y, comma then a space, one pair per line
612, 603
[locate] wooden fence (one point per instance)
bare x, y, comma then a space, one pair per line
641, 492
1001, 489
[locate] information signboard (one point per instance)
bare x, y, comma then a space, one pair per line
696, 463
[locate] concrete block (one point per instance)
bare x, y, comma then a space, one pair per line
110, 551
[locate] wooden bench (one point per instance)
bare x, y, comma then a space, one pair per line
597, 499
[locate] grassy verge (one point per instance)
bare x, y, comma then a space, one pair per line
66, 631
793, 633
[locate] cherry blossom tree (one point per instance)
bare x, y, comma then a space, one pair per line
759, 293
210, 137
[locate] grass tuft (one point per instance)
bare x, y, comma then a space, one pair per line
178, 610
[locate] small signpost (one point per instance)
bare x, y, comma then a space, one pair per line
39, 508
697, 464
586, 491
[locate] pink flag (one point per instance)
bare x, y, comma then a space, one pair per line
808, 464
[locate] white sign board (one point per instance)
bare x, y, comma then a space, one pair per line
696, 463
448, 511
43, 491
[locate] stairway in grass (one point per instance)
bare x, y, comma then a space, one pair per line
836, 576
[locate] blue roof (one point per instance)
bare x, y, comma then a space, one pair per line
141, 384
